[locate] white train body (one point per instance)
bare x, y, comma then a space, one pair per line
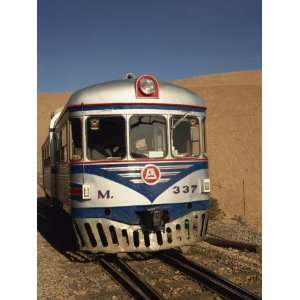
127, 160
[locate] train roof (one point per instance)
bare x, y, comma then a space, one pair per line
124, 91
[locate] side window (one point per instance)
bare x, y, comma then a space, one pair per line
46, 154
56, 141
63, 144
75, 139
203, 136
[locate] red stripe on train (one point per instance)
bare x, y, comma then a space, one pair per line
76, 191
158, 160
135, 104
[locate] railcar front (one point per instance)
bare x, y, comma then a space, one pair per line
138, 171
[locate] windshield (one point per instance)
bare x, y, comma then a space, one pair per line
106, 137
185, 136
148, 136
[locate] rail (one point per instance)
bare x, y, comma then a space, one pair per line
214, 282
128, 278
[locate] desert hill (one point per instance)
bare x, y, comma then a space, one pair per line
233, 137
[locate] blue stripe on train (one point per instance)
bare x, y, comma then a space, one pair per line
150, 192
136, 106
129, 214
75, 185
76, 197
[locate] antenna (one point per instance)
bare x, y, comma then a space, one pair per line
129, 76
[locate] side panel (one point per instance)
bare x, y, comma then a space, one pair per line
61, 174
62, 185
47, 180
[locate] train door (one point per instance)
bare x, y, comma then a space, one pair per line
43, 168
62, 167
54, 149
76, 154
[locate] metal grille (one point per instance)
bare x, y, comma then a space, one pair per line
104, 235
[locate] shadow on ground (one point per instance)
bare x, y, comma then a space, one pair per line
56, 228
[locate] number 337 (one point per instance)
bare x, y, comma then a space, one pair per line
184, 189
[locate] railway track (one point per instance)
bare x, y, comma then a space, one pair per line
140, 289
214, 282
128, 278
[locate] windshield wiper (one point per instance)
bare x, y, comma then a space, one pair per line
181, 119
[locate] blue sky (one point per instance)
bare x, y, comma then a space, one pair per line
82, 42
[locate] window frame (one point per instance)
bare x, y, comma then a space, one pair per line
70, 138
63, 146
203, 136
171, 137
46, 153
166, 154
86, 136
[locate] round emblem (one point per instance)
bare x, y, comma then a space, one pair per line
150, 174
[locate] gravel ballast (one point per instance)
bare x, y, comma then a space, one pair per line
64, 275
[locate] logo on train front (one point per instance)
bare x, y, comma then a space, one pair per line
150, 174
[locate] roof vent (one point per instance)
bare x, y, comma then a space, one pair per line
129, 76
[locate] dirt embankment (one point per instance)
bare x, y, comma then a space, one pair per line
233, 137
234, 140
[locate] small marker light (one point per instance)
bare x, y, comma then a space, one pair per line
206, 185
86, 192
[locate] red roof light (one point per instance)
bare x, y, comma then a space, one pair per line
146, 86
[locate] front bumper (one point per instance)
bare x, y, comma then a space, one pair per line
103, 235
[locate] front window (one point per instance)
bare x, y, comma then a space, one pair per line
185, 136
106, 137
148, 136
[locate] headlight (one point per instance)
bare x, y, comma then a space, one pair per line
147, 86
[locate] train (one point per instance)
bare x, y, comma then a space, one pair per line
127, 161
